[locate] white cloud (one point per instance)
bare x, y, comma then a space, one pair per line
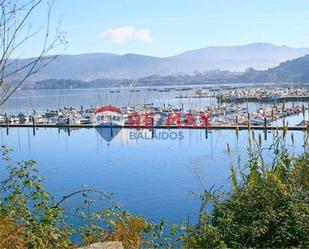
124, 34
296, 28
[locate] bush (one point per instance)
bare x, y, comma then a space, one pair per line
30, 217
28, 209
270, 209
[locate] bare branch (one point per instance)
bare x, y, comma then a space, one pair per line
104, 194
15, 16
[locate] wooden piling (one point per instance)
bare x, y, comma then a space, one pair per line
7, 124
68, 122
265, 134
33, 126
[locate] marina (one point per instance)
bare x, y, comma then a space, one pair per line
212, 127
158, 117
97, 145
252, 94
154, 124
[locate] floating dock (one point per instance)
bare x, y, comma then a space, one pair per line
232, 99
127, 126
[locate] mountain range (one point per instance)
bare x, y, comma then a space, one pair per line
291, 71
89, 67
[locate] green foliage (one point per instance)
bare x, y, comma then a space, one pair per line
24, 201
163, 236
269, 210
30, 217
206, 235
112, 224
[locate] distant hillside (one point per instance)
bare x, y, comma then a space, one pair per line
88, 67
296, 70
259, 56
210, 77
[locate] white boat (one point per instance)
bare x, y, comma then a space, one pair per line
302, 123
13, 119
62, 120
85, 120
2, 119
22, 118
257, 121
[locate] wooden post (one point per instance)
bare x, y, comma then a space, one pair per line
33, 125
265, 127
283, 121
6, 119
7, 123
69, 131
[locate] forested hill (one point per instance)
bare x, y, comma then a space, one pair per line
296, 71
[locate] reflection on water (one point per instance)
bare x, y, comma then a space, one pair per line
152, 177
40, 100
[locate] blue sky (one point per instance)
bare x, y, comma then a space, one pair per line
169, 27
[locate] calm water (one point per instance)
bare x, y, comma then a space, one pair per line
150, 177
154, 178
40, 100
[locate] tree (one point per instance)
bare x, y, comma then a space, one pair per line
17, 31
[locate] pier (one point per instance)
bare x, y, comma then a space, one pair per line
255, 94
257, 99
127, 126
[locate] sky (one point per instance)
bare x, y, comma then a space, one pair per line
169, 27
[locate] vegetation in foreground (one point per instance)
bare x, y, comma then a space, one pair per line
268, 208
